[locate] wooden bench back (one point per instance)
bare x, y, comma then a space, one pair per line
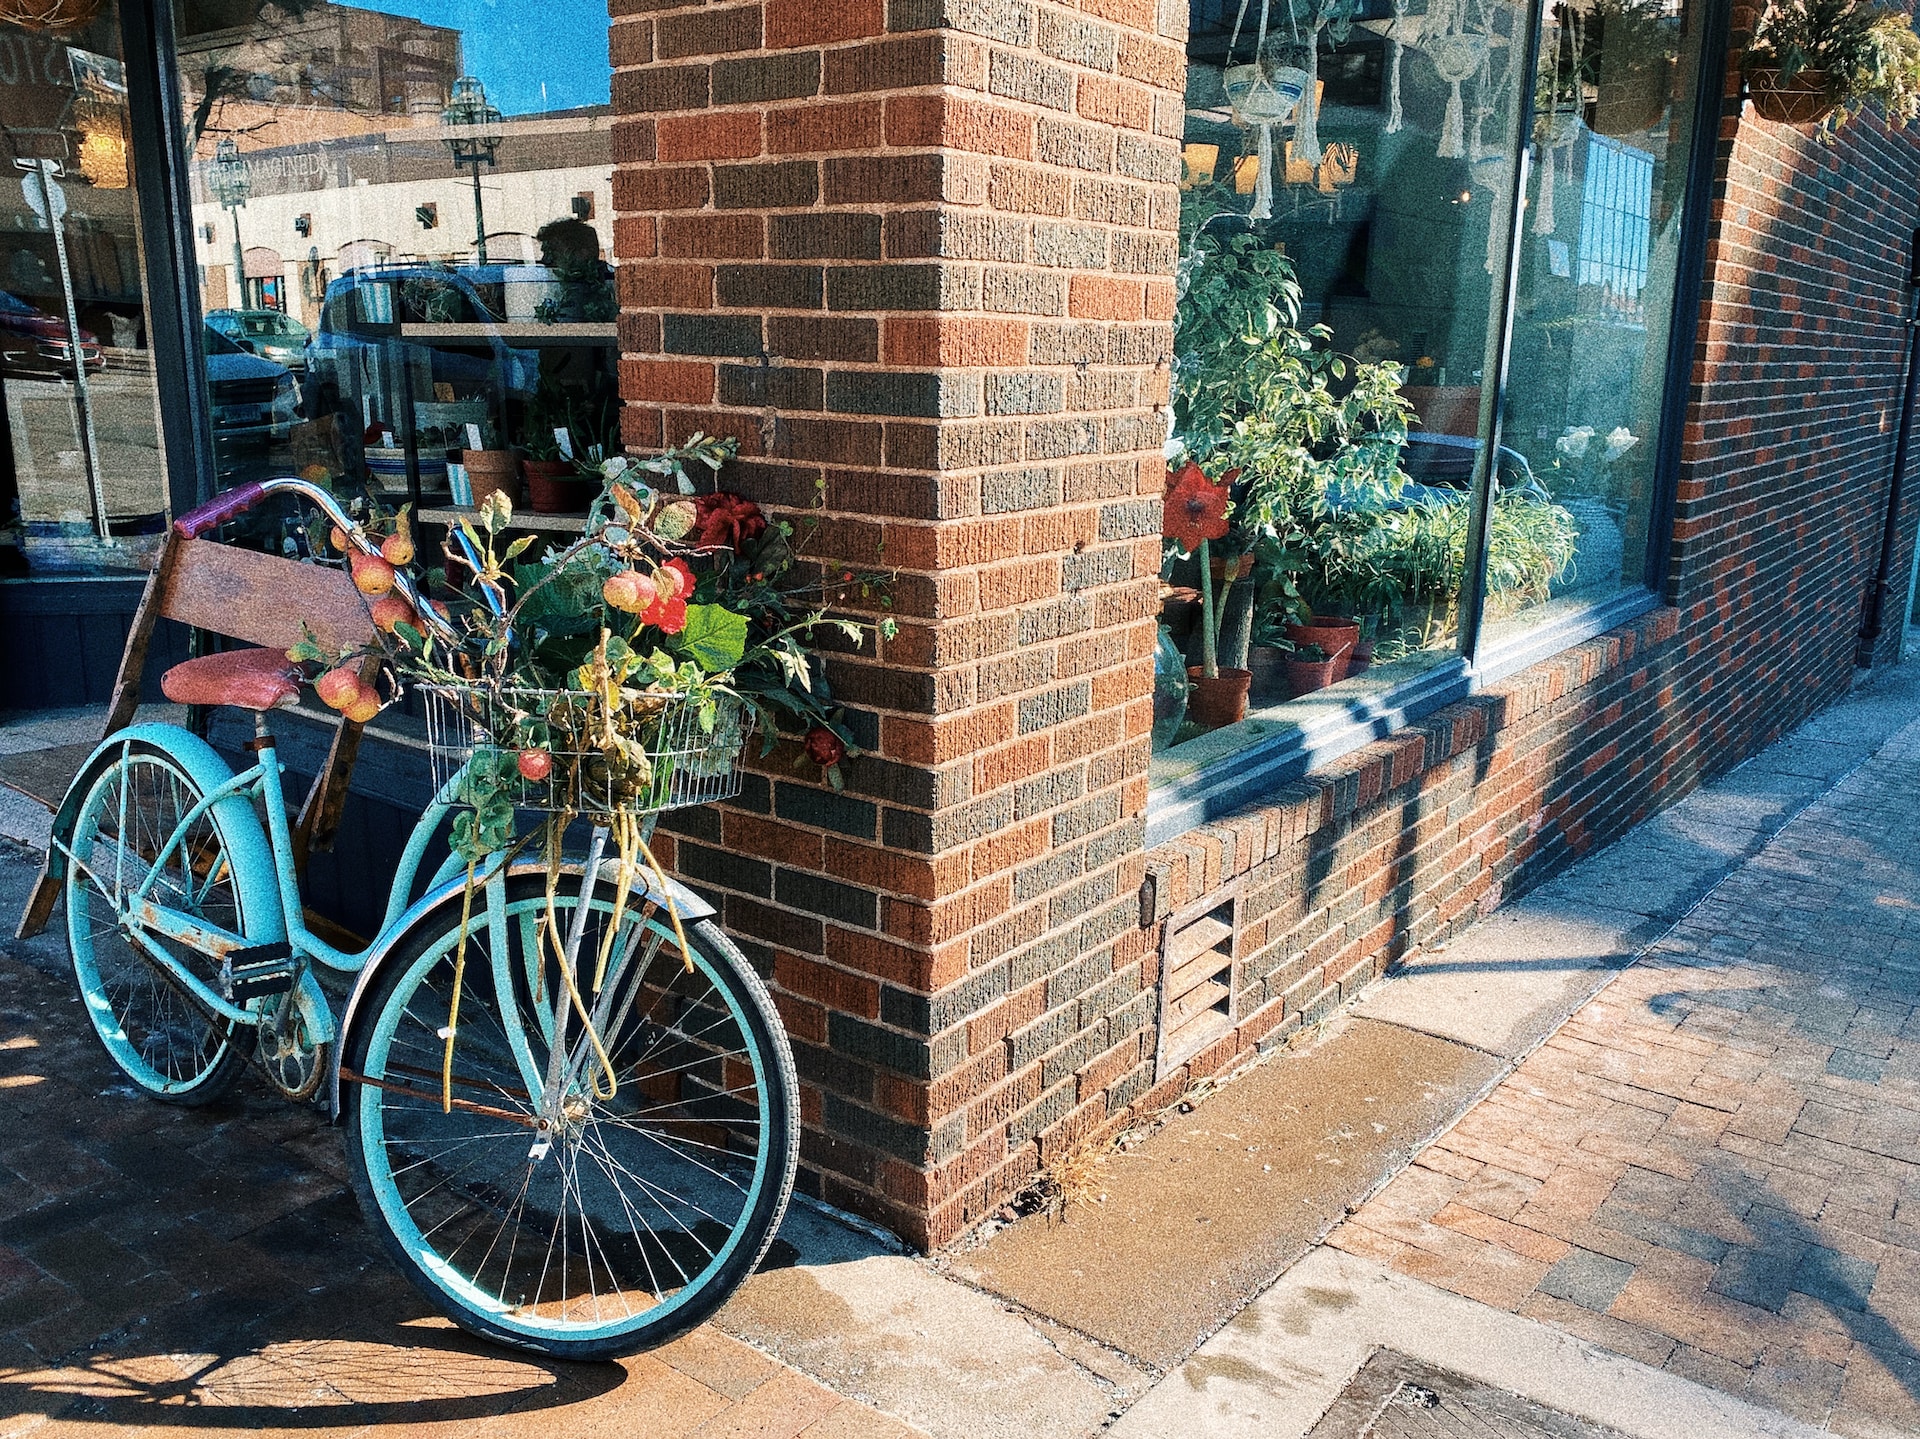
259, 598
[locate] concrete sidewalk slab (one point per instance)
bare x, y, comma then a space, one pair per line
1505, 983
884, 1328
1211, 1207
1275, 1369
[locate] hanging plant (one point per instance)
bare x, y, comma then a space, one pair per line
1819, 62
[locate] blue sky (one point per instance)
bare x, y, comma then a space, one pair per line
515, 46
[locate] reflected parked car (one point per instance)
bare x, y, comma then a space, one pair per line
255, 400
32, 342
360, 344
271, 334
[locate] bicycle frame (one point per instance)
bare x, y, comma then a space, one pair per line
145, 920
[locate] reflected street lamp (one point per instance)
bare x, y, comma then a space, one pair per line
231, 180
473, 136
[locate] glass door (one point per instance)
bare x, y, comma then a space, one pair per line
83, 485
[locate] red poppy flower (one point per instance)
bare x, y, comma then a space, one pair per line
1196, 509
667, 616
726, 521
824, 747
682, 573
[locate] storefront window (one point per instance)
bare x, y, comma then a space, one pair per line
84, 488
1347, 220
1598, 265
403, 218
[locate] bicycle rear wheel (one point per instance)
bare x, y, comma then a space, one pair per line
631, 1218
170, 1046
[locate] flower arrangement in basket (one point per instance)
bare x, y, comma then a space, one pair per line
619, 673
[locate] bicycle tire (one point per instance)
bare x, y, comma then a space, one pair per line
454, 1194
157, 1035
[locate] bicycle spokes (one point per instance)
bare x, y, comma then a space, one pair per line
564, 1206
137, 832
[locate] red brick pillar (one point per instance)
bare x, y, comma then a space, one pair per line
917, 255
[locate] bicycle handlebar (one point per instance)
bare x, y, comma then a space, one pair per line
218, 510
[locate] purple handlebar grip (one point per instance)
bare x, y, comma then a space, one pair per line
217, 511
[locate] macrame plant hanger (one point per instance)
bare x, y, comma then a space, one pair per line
1306, 122
1559, 128
1397, 31
1264, 95
1401, 31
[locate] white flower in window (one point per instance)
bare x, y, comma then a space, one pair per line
1619, 440
1573, 444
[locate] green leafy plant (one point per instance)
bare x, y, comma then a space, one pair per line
1301, 443
573, 659
1866, 52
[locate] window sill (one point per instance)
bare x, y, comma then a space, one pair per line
1220, 773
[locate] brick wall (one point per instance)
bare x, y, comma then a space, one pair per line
917, 255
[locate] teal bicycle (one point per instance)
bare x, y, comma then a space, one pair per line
587, 1172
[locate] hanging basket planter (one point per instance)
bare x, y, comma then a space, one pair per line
61, 16
1806, 99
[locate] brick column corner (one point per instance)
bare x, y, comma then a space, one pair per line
918, 255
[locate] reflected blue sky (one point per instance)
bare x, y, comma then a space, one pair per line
517, 47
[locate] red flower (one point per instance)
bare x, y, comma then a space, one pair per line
1196, 508
824, 747
667, 616
726, 521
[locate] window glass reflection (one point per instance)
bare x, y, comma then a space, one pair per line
1361, 148
1598, 258
83, 486
404, 222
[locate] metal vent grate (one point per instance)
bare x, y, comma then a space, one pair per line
1196, 982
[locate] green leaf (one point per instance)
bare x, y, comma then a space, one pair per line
715, 637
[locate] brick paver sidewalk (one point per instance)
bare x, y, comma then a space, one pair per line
1715, 1166
175, 1271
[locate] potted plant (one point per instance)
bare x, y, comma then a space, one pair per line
1308, 668
1817, 62
1266, 657
491, 469
1195, 514
1583, 485
1279, 438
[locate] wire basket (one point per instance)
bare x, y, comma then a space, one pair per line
675, 760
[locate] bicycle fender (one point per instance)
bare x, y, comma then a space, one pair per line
645, 887
253, 865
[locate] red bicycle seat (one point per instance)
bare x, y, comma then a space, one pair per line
252, 679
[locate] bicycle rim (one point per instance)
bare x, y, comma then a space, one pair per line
162, 1040
635, 1216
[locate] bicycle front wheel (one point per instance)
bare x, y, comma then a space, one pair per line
658, 1180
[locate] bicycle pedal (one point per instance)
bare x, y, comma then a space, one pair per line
259, 971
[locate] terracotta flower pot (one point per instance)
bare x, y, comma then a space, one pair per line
1306, 676
1268, 663
493, 471
554, 487
1803, 100
1216, 703
1241, 569
1337, 636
